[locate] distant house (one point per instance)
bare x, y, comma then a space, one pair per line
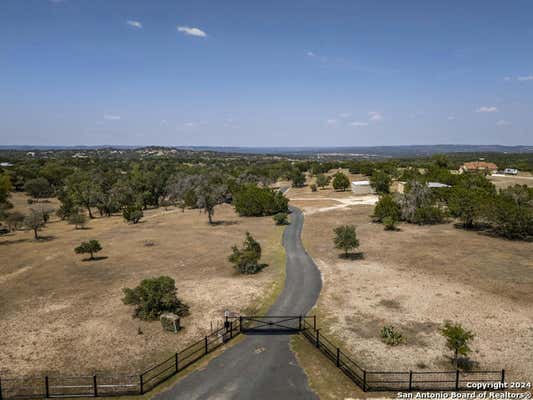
478, 166
399, 186
362, 187
433, 185
6, 164
510, 171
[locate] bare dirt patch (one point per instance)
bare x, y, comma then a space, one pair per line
415, 279
59, 313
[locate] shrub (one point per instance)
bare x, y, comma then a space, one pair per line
297, 178
341, 181
132, 214
153, 297
313, 187
390, 223
253, 201
345, 238
386, 207
38, 187
457, 339
428, 215
90, 247
246, 259
511, 213
391, 336
281, 218
77, 219
322, 180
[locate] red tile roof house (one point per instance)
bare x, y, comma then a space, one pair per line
478, 166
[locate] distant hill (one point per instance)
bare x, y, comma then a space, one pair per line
380, 151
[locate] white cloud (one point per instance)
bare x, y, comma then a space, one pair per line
345, 115
487, 109
525, 78
507, 78
358, 123
375, 116
310, 54
135, 24
451, 118
331, 121
503, 122
189, 124
111, 117
192, 31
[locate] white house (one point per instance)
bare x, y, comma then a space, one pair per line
510, 171
362, 187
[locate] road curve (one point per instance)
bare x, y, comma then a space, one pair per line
262, 367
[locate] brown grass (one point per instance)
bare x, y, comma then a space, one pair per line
415, 279
60, 313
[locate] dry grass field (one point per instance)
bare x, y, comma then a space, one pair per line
60, 313
415, 279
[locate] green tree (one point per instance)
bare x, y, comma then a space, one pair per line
90, 247
322, 180
467, 204
345, 238
246, 259
5, 187
38, 188
386, 207
297, 178
511, 212
340, 181
83, 189
14, 220
209, 195
457, 340
380, 181
35, 221
281, 218
132, 214
77, 219
153, 297
254, 201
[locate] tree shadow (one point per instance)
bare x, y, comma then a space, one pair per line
224, 223
352, 256
9, 242
96, 258
464, 363
46, 238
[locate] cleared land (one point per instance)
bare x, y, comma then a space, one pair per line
415, 279
59, 313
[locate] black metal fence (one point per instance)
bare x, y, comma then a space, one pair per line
31, 387
375, 381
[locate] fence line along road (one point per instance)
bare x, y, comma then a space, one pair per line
31, 387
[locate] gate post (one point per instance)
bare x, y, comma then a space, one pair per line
338, 357
46, 388
240, 323
364, 380
314, 322
503, 380
318, 338
410, 380
456, 379
95, 388
141, 385
300, 323
206, 345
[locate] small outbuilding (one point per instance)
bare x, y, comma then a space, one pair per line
170, 322
362, 187
510, 171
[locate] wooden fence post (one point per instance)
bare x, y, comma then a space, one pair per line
141, 386
318, 338
410, 380
503, 379
46, 387
364, 380
457, 379
206, 345
338, 357
176, 360
95, 387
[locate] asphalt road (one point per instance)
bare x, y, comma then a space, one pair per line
262, 366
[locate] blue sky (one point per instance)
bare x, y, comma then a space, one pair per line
266, 73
